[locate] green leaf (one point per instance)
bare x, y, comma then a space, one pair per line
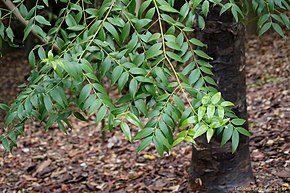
5, 144
47, 103
177, 141
51, 120
265, 28
228, 131
202, 54
189, 139
31, 59
209, 134
200, 131
221, 111
101, 114
116, 74
243, 131
278, 29
112, 30
205, 99
89, 102
225, 7
178, 102
12, 136
227, 104
143, 7
4, 107
45, 2
133, 86
238, 121
106, 65
136, 70
210, 80
166, 131
145, 143
140, 104
61, 126
154, 51
159, 146
216, 98
85, 93
235, 140
79, 116
201, 112
59, 96
41, 20
144, 133
206, 70
168, 8
188, 68
94, 106
197, 42
201, 22
70, 21
173, 45
174, 56
184, 10
126, 130
134, 120
159, 135
123, 80
125, 31
160, 74
194, 76
205, 8
9, 33
210, 111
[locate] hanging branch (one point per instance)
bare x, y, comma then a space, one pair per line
14, 9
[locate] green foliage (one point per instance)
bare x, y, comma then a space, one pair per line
165, 75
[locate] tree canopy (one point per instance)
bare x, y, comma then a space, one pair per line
162, 72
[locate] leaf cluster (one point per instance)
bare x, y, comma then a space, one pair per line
163, 76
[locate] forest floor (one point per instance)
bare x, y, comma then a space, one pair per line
81, 162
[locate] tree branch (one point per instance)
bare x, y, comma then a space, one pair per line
14, 9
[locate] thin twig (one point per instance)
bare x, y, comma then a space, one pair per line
17, 14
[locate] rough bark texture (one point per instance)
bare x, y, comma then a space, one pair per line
215, 168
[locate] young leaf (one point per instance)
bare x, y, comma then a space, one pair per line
209, 134
210, 111
216, 98
201, 112
200, 131
238, 121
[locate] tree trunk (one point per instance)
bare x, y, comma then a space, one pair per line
251, 21
215, 168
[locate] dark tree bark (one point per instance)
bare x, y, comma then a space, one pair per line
215, 168
251, 22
